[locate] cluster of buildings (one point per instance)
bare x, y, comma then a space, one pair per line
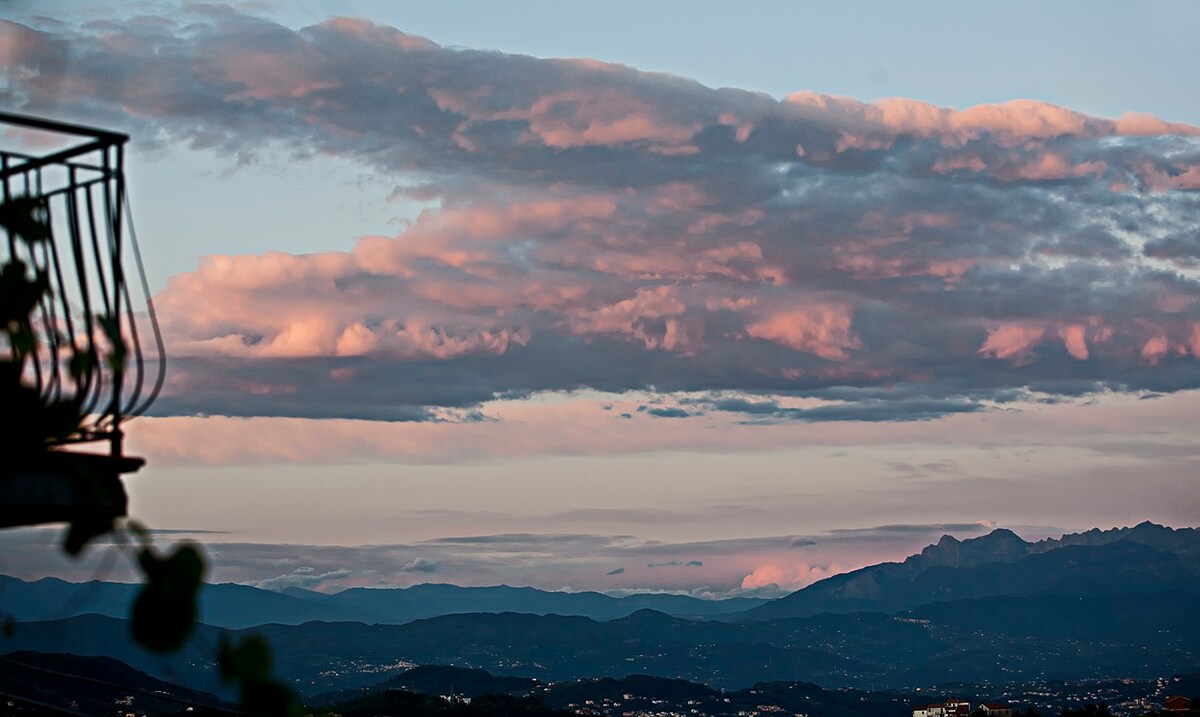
1171, 707
962, 708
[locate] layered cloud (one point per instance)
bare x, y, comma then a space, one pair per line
766, 566
596, 227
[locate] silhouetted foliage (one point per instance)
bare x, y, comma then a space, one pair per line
42, 421
164, 613
249, 664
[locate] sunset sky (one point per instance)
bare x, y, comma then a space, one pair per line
644, 296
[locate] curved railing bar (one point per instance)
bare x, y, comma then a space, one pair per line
46, 303
91, 217
92, 398
151, 313
112, 234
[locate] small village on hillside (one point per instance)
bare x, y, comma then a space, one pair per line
962, 708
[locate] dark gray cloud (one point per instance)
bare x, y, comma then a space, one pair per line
668, 412
616, 571
533, 540
611, 516
883, 531
604, 228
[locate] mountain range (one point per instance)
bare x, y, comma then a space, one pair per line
1119, 603
238, 606
1144, 558
1019, 638
395, 606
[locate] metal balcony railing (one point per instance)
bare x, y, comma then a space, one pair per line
98, 345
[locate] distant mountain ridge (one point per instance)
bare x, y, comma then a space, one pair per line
1143, 557
1184, 542
1096, 562
221, 604
1003, 545
1112, 603
1135, 635
235, 606
400, 605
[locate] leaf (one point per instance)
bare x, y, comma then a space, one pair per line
141, 532
80, 364
112, 331
21, 294
81, 532
250, 659
249, 663
268, 698
26, 217
164, 614
23, 340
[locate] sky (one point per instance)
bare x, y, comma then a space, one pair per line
632, 298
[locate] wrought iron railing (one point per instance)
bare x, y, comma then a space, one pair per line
98, 344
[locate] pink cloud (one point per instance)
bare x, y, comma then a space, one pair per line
1010, 123
579, 118
1075, 339
1025, 167
1012, 341
821, 329
593, 219
583, 427
269, 75
1179, 176
1135, 124
633, 317
742, 130
1174, 303
791, 576
740, 261
370, 32
1015, 342
1155, 348
1052, 166
499, 222
960, 162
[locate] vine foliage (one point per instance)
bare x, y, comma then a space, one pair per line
164, 614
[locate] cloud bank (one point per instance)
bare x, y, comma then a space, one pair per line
765, 566
596, 227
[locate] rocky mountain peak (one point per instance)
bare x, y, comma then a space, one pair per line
1001, 545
